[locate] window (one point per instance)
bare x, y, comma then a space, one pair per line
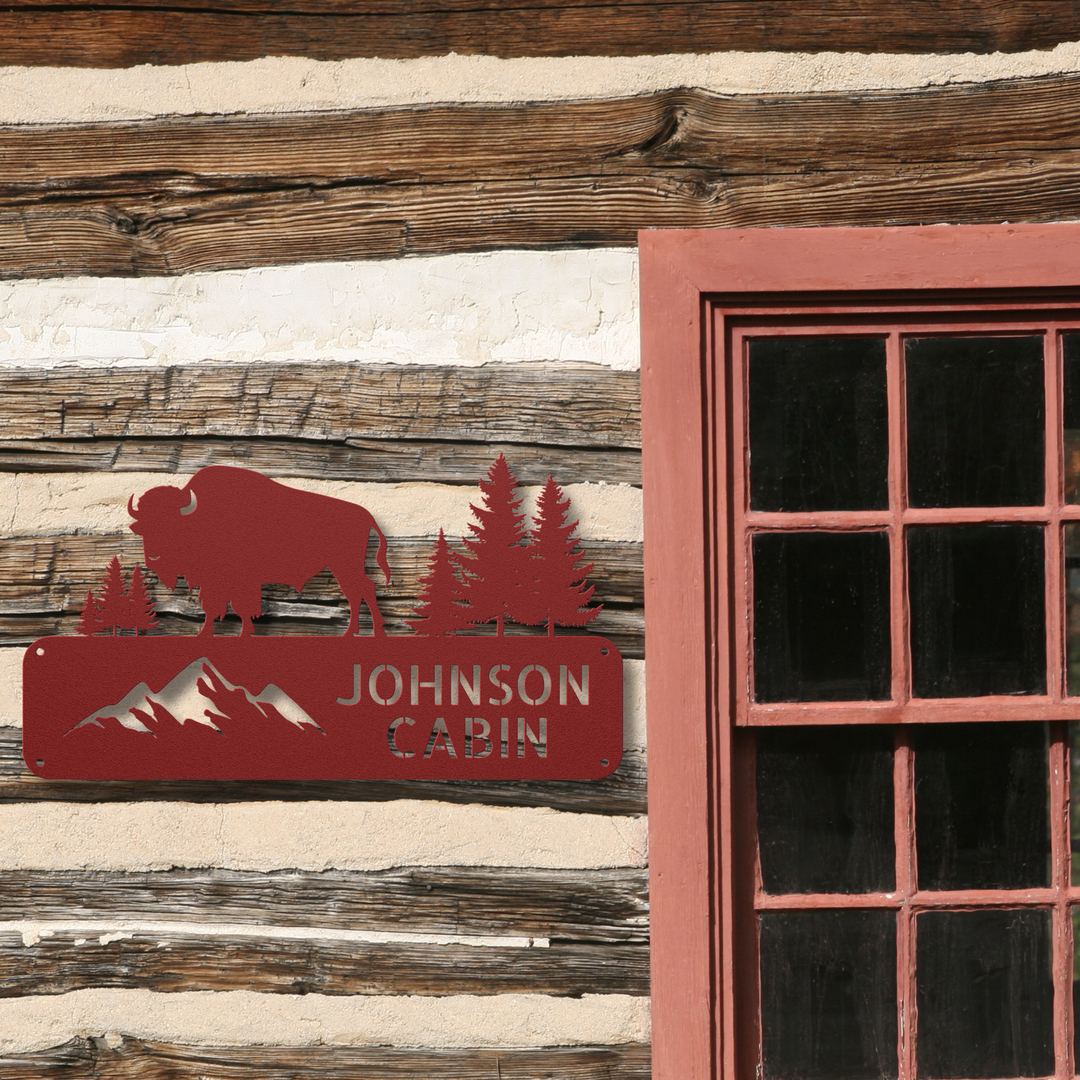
863, 619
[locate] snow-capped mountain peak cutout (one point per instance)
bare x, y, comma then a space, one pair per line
195, 695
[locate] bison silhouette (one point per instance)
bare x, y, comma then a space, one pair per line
230, 531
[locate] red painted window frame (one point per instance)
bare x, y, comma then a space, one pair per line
694, 286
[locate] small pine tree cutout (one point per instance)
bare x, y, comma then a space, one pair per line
556, 591
140, 603
439, 608
90, 620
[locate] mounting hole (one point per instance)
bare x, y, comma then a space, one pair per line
40, 762
603, 652
603, 762
40, 652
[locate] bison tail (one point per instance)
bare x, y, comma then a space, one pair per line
380, 555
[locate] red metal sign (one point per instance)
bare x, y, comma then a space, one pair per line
450, 701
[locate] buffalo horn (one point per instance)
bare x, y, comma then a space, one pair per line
191, 506
131, 506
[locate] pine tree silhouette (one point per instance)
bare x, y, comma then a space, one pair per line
439, 608
140, 603
492, 576
556, 591
90, 620
114, 607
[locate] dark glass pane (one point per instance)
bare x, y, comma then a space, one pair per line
1072, 608
1071, 416
975, 421
1076, 984
818, 424
1074, 805
982, 810
985, 994
828, 995
821, 616
977, 610
825, 809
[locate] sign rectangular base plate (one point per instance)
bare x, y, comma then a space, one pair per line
455, 707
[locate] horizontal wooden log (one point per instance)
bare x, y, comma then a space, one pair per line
625, 629
46, 579
176, 963
563, 905
561, 405
622, 793
95, 1059
387, 460
609, 140
52, 574
176, 196
123, 34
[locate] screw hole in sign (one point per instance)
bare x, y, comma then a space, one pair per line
40, 652
40, 761
603, 652
603, 763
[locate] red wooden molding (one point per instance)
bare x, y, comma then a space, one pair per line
694, 284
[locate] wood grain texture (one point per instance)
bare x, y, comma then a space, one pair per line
168, 197
623, 793
379, 460
177, 963
46, 578
564, 905
94, 1059
122, 34
543, 404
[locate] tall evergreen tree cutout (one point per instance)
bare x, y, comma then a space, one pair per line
557, 590
439, 608
493, 572
115, 612
140, 603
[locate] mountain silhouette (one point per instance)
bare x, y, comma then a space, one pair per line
202, 696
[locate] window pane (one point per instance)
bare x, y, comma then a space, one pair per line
1072, 607
821, 616
977, 610
1074, 802
818, 424
1071, 415
975, 421
1076, 984
828, 995
825, 809
982, 810
985, 994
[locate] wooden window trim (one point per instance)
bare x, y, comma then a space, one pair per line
693, 285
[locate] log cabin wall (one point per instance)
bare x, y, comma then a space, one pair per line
322, 241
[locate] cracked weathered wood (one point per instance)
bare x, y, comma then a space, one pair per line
46, 578
569, 905
169, 962
166, 197
130, 32
621, 793
134, 1059
380, 460
553, 404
